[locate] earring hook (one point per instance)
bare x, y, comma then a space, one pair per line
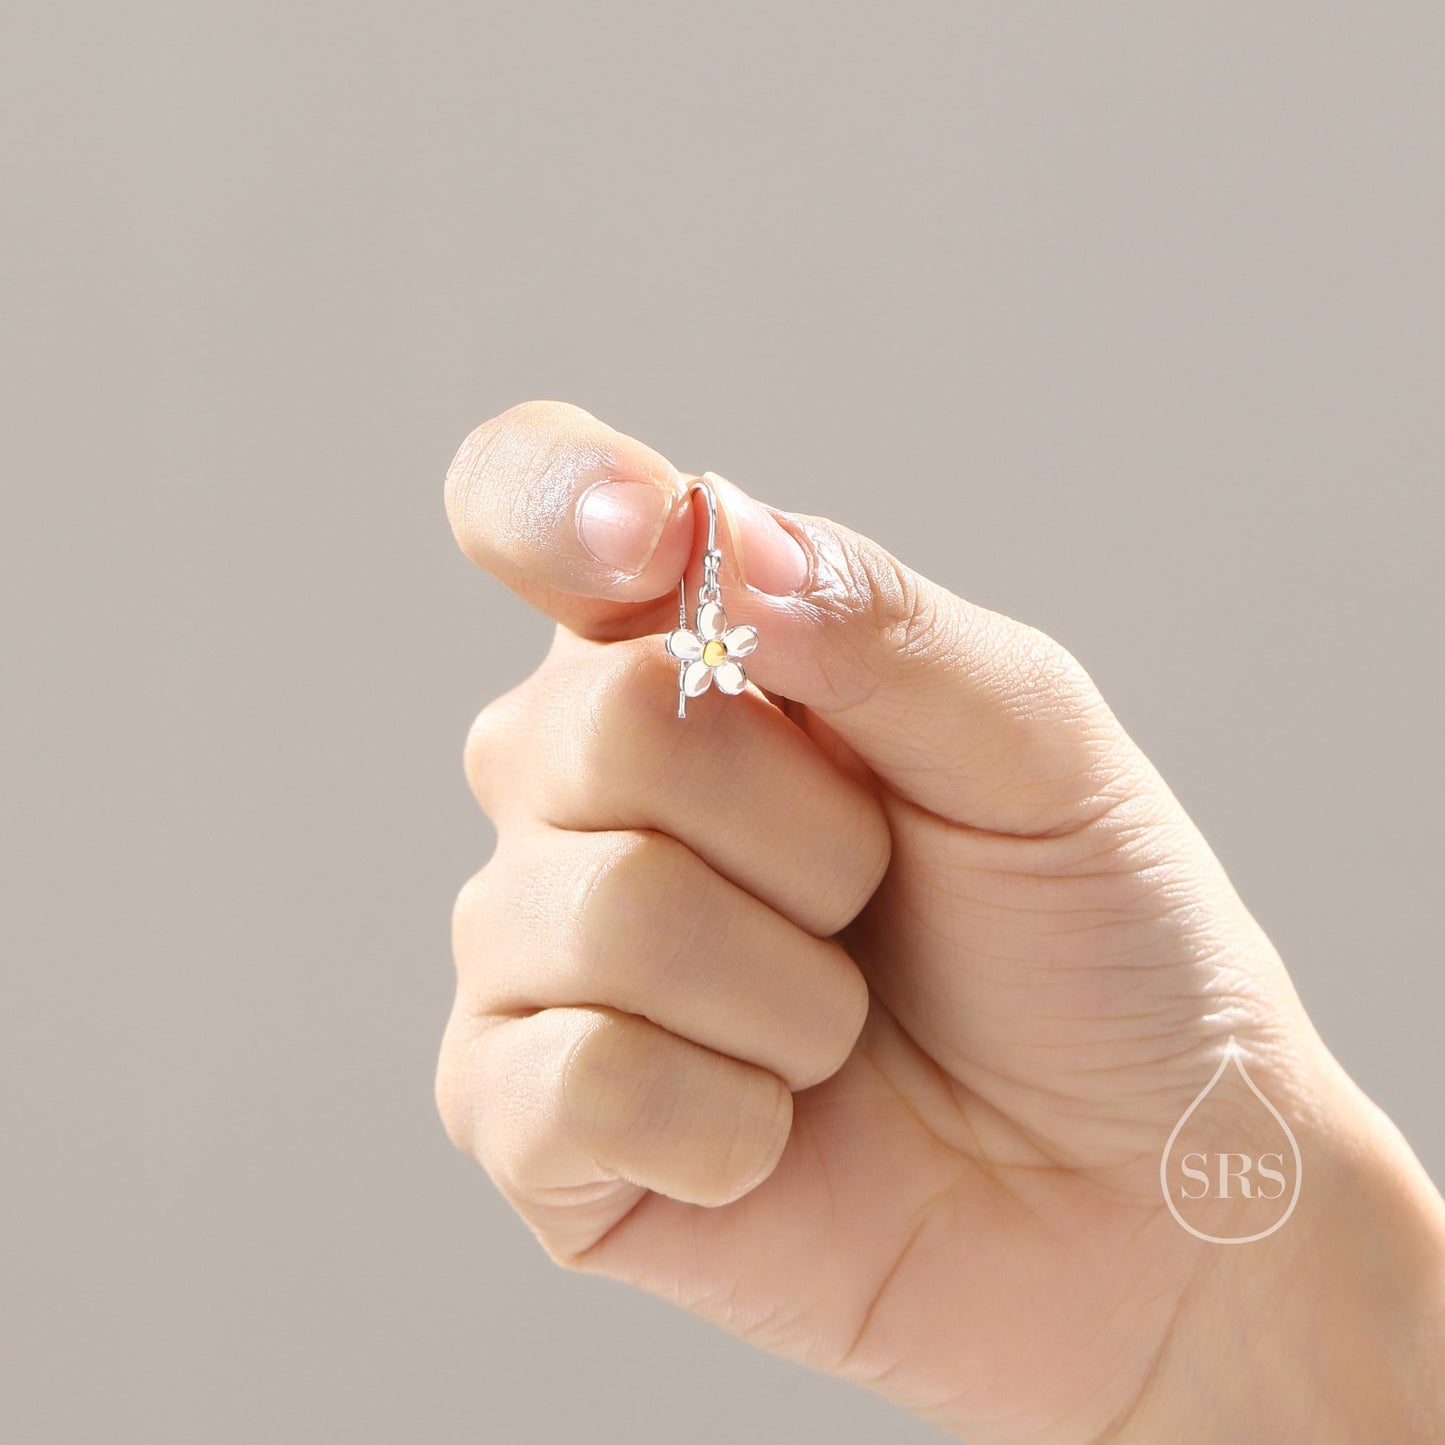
711, 558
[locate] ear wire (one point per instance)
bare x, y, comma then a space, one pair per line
711, 558
711, 561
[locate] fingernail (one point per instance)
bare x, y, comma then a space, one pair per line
770, 558
620, 523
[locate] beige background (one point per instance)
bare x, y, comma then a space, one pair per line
1125, 318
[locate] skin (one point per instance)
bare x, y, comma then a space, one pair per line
853, 1012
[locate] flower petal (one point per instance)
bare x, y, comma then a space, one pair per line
711, 620
697, 679
684, 645
740, 641
730, 677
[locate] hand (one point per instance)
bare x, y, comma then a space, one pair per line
854, 1012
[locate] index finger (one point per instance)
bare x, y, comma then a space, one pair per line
587, 524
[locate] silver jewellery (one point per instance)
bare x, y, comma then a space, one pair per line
711, 650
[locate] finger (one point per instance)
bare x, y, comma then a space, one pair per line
587, 524
575, 1112
588, 743
637, 922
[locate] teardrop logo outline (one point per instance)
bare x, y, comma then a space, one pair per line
1232, 1053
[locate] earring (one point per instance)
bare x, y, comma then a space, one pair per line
709, 651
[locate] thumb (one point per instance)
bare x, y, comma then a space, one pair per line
963, 711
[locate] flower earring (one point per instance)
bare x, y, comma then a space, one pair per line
710, 650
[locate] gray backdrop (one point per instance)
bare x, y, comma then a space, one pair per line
1124, 318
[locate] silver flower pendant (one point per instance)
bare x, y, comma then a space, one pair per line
711, 650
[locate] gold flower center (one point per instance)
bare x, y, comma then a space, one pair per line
714, 652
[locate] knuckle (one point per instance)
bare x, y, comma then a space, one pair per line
454, 1115
1057, 718
621, 751
621, 693
605, 1078
904, 613
900, 612
634, 879
614, 705
631, 920
453, 1097
525, 1165
486, 754
471, 916
1051, 682
526, 1142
